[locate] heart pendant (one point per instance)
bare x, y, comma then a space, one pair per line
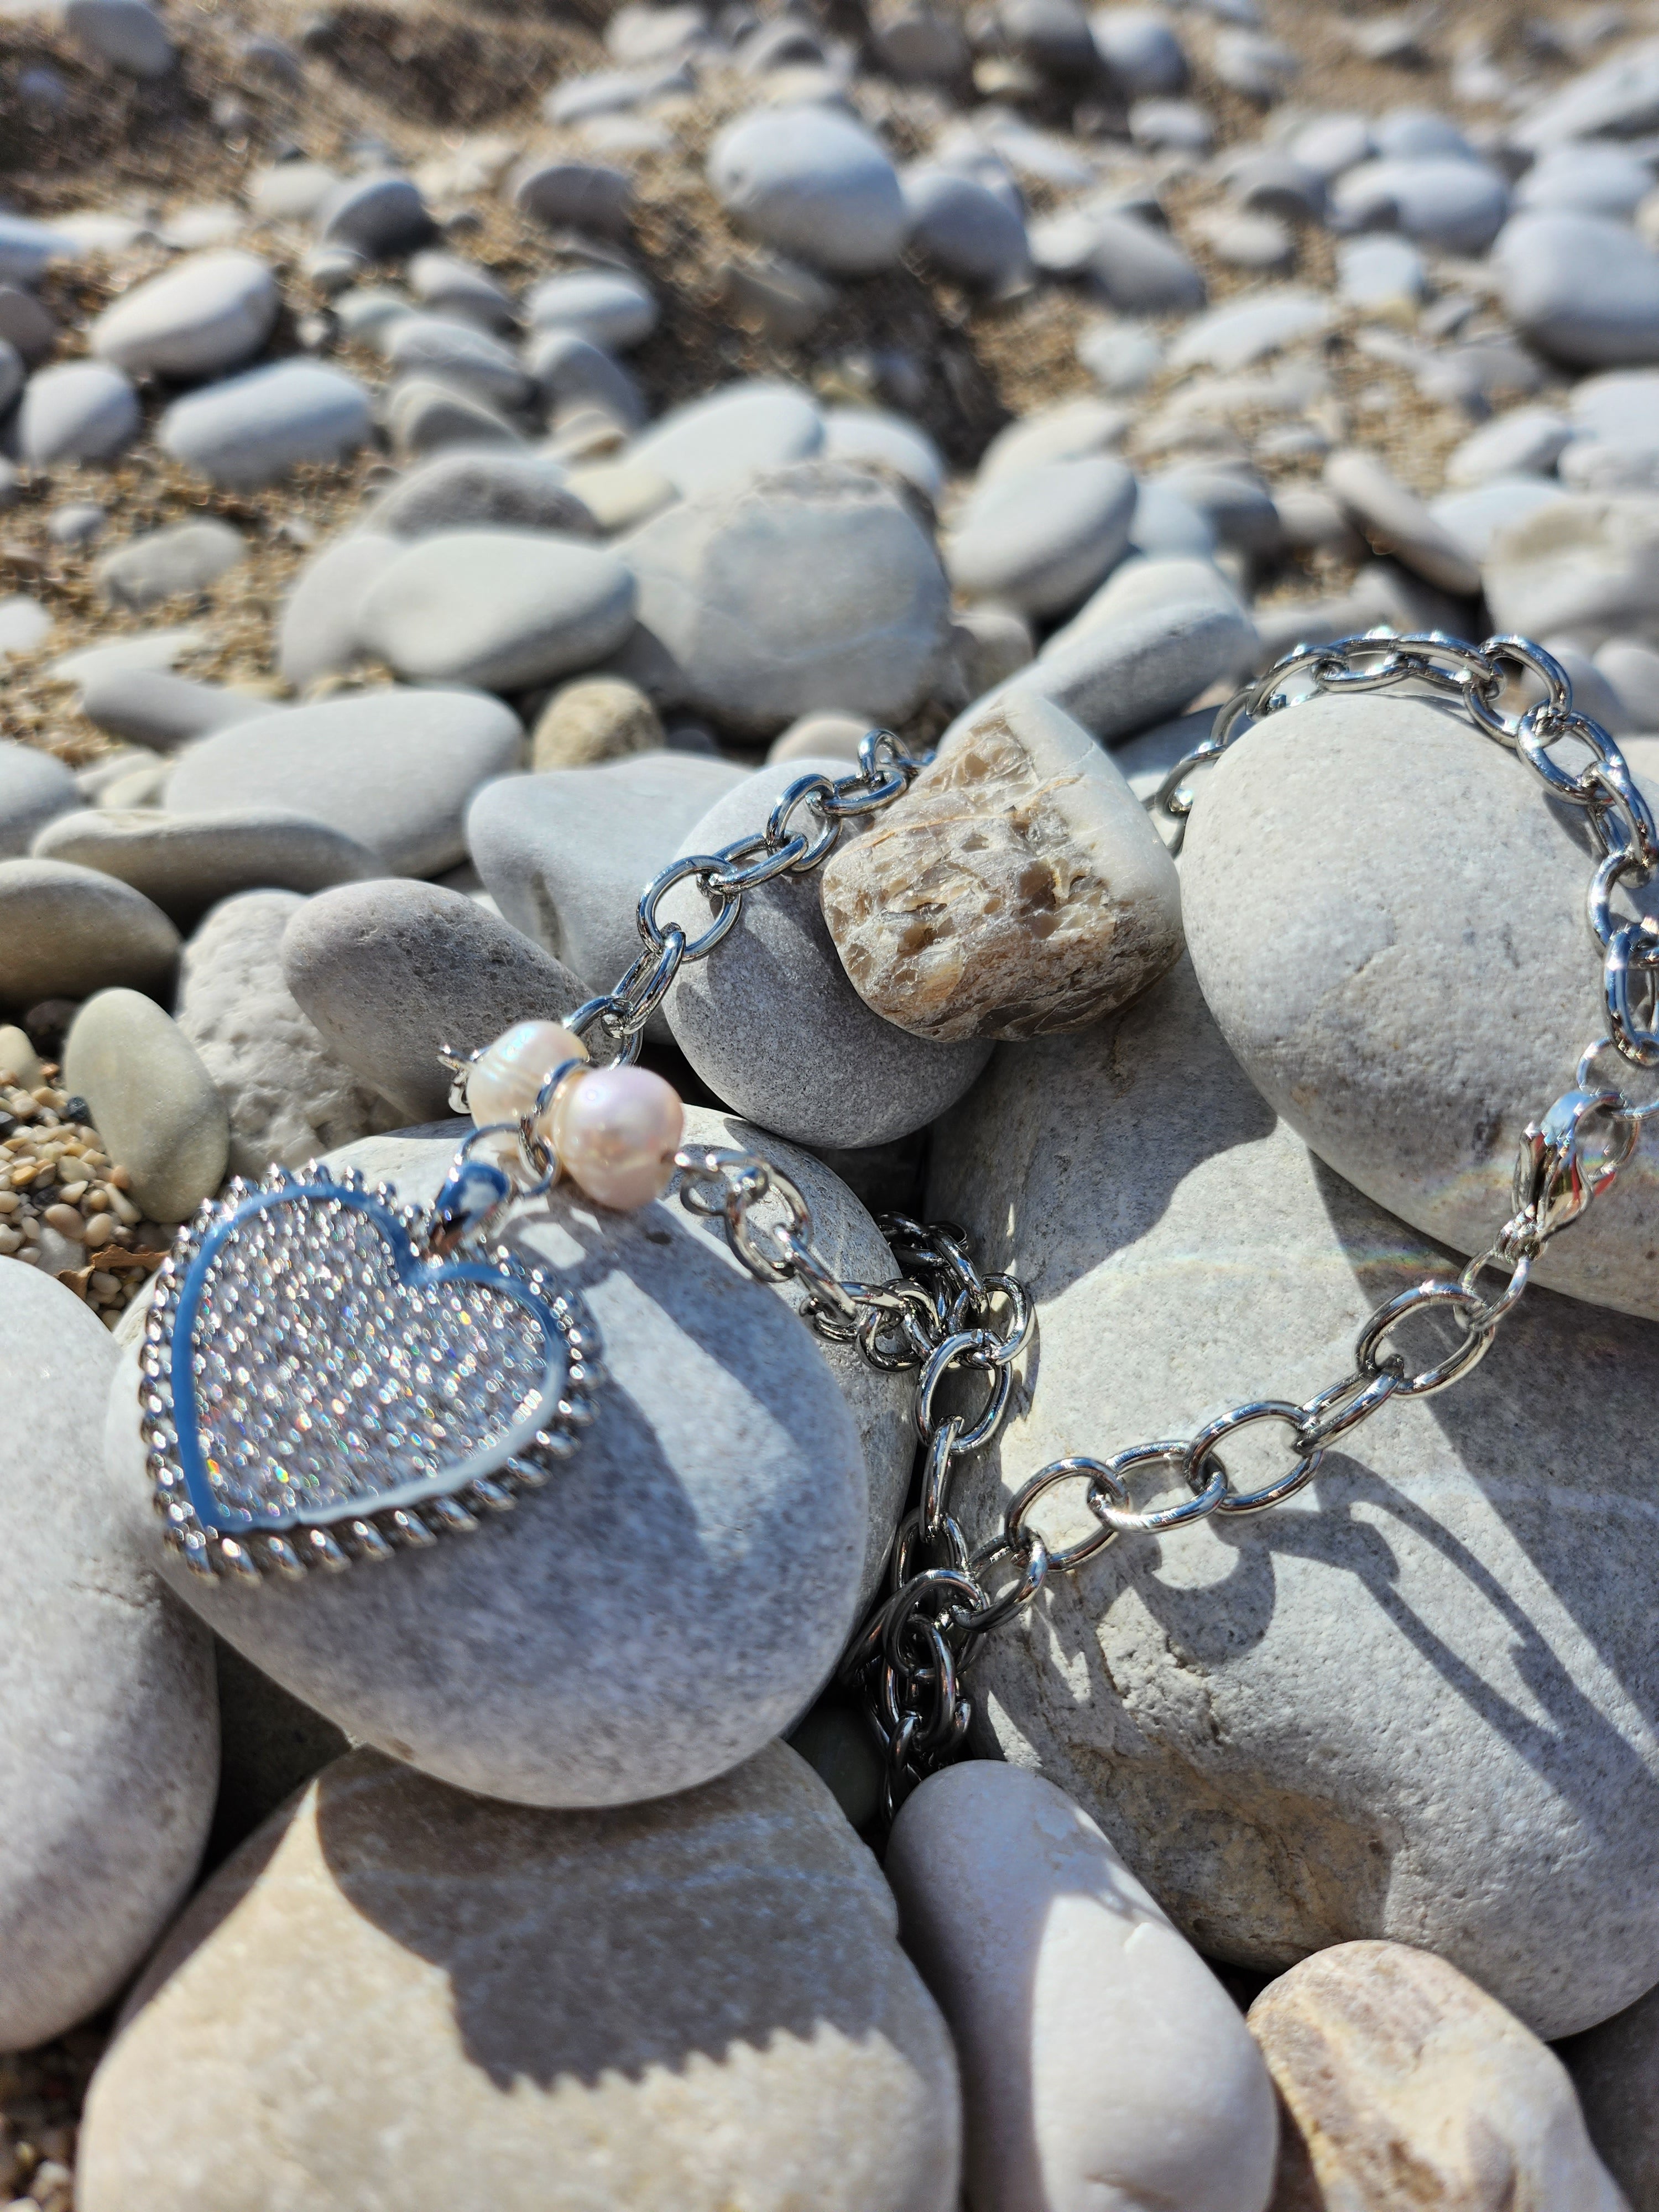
318, 1387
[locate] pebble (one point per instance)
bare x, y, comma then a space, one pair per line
1632, 669
28, 249
290, 192
12, 376
1249, 1758
813, 183
390, 972
892, 442
1241, 331
1259, 66
1584, 564
814, 735
776, 976
34, 789
1618, 99
1390, 2062
109, 1752
25, 324
1070, 431
250, 429
1526, 441
597, 718
125, 34
185, 557
65, 930
392, 768
381, 213
451, 286
287, 1097
76, 410
80, 522
1587, 179
569, 373
152, 706
317, 632
1140, 269
1454, 204
1270, 182
1261, 242
608, 308
1394, 521
186, 863
961, 228
565, 856
761, 2037
1433, 1139
203, 316
1141, 53
696, 1466
1016, 889
586, 196
24, 625
452, 353
1171, 126
1041, 539
811, 586
1054, 1968
742, 431
1581, 287
619, 495
154, 1105
1380, 273
1474, 518
498, 608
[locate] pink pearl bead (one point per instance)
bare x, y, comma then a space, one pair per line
504, 1083
616, 1134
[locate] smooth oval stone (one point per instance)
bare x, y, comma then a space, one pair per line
152, 1103
566, 854
394, 768
457, 353
511, 1661
127, 34
1456, 204
152, 706
390, 972
475, 490
1041, 539
208, 313
109, 1745
451, 286
1394, 521
35, 788
1526, 441
1241, 331
1476, 517
813, 183
1379, 270
1347, 1717
1584, 565
1587, 180
1390, 2062
381, 213
962, 227
572, 374
27, 249
76, 410
188, 862
24, 625
697, 2004
588, 196
1141, 52
288, 1096
1070, 430
732, 435
25, 325
248, 430
892, 442
1055, 1968
424, 414
317, 631
1264, 242
290, 191
186, 557
775, 979
610, 308
815, 587
65, 930
501, 609
1581, 287
1409, 1027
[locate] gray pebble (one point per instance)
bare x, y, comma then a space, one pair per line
1241, 331
1394, 521
1618, 98
82, 522
569, 372
1587, 179
1380, 272
27, 249
451, 286
775, 977
1121, 357
458, 354
290, 191
186, 556
1270, 182
813, 183
287, 1096
1236, 505
738, 432
1331, 143
66, 931
188, 862
1632, 669
34, 789
390, 971
382, 215
25, 324
1458, 206
203, 316
317, 632
870, 434
961, 228
1527, 442
1475, 516
126, 34
607, 306
1141, 51
472, 491
1040, 539
392, 768
76, 410
584, 196
250, 429
154, 1105
1259, 66
109, 1745
1582, 287
153, 707
1141, 270
423, 414
1178, 126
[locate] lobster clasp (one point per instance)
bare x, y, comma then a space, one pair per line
1556, 1173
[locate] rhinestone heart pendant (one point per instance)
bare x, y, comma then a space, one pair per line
321, 1383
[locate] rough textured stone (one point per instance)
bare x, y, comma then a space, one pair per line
615, 1639
1351, 993
1399, 1706
813, 183
287, 1096
186, 863
775, 979
108, 1750
392, 768
152, 1101
598, 718
1398, 2074
1016, 888
814, 586
66, 931
206, 314
695, 2004
390, 971
35, 787
1054, 1969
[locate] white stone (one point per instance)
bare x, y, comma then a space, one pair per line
730, 435
1244, 331
1456, 204
205, 315
1041, 539
317, 633
1584, 563
35, 788
1526, 441
250, 429
607, 306
892, 442
1581, 287
812, 184
76, 410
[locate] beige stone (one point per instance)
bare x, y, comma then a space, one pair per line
597, 718
398, 1994
1404, 2084
619, 495
1016, 889
809, 736
154, 1104
19, 1062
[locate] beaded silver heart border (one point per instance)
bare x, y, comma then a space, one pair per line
378, 1532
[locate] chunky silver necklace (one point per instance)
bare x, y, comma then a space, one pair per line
328, 1375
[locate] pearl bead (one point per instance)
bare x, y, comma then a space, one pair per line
617, 1132
503, 1084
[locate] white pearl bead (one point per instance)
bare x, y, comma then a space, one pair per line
502, 1085
617, 1132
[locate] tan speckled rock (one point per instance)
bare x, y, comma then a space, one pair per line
597, 718
1403, 2083
1016, 890
404, 1996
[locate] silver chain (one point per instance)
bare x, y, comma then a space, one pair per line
940, 1316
